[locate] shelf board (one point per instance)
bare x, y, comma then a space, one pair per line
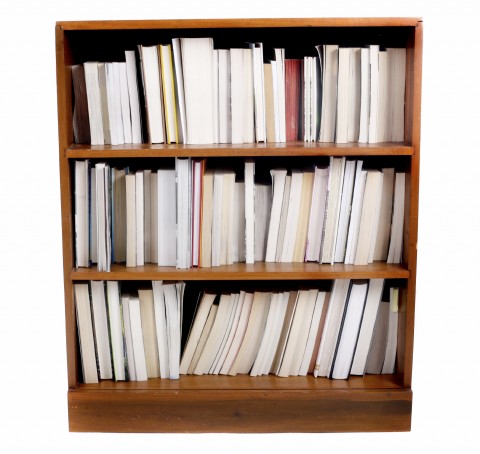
209, 404
247, 383
288, 149
240, 271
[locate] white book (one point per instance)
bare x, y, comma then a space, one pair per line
335, 181
329, 67
345, 210
140, 217
125, 103
245, 301
183, 172
130, 352
356, 213
154, 217
198, 324
206, 219
397, 67
312, 333
179, 91
239, 223
153, 94
374, 296
364, 94
391, 348
82, 214
93, 216
343, 95
280, 106
398, 217
147, 215
197, 63
348, 336
216, 107
283, 218
217, 217
259, 91
331, 327
382, 237
167, 219
303, 335
161, 328
102, 83
147, 309
369, 217
248, 98
317, 214
102, 175
238, 95
85, 333
249, 211
278, 187
116, 330
137, 338
197, 177
228, 219
383, 124
131, 215
307, 99
253, 334
263, 207
292, 216
224, 94
173, 294
94, 103
100, 323
374, 94
354, 95
230, 332
133, 96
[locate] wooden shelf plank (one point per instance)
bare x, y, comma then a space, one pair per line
241, 271
240, 23
297, 148
245, 382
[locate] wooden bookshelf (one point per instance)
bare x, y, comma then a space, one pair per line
242, 403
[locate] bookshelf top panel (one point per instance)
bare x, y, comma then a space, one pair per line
239, 23
231, 150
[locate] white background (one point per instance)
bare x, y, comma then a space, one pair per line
33, 380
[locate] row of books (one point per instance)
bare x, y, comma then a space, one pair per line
189, 92
127, 334
192, 215
349, 329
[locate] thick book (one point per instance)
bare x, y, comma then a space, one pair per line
85, 333
117, 340
147, 310
81, 123
349, 330
82, 213
293, 99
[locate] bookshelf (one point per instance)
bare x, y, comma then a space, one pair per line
215, 403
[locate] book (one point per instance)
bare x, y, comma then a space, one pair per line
135, 314
374, 94
376, 354
348, 334
179, 91
263, 204
395, 248
334, 194
134, 96
316, 217
161, 328
293, 98
331, 328
102, 203
167, 221
197, 66
251, 341
259, 90
198, 168
81, 123
82, 213
198, 324
140, 217
169, 93
283, 218
375, 290
94, 103
115, 319
391, 347
153, 94
147, 310
129, 350
183, 175
328, 54
303, 219
345, 211
369, 218
380, 251
278, 187
249, 211
206, 213
85, 333
245, 301
101, 329
224, 96
343, 94
354, 95
119, 216
364, 95
396, 74
131, 219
